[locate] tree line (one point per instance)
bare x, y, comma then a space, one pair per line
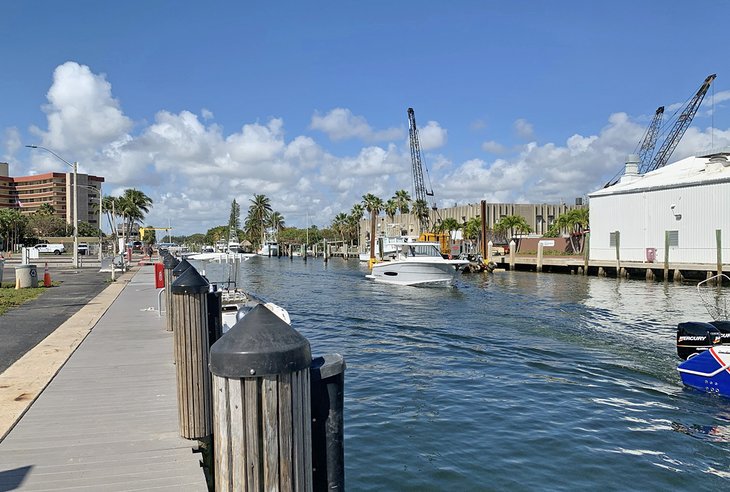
18, 228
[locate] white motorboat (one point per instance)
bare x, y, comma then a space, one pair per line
416, 263
237, 303
220, 256
270, 248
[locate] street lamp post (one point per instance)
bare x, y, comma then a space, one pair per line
74, 166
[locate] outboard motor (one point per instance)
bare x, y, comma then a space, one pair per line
694, 337
724, 328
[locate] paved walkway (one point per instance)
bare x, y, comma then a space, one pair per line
108, 419
23, 327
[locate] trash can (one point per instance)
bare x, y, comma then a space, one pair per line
26, 276
650, 255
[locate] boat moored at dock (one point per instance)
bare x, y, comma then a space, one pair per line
416, 263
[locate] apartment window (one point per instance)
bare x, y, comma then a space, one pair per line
673, 238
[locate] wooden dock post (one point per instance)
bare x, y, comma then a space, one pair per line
325, 251
586, 251
666, 256
262, 426
718, 242
618, 253
490, 245
512, 246
540, 249
169, 262
190, 340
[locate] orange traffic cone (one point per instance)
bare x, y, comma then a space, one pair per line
46, 277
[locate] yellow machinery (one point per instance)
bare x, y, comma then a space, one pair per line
442, 238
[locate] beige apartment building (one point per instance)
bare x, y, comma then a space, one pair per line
28, 193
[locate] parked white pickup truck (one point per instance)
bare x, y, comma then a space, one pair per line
55, 248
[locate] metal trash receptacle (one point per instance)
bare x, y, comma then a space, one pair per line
26, 276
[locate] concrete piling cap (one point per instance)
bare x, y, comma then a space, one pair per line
181, 267
190, 282
260, 344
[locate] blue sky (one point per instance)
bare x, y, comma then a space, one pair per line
197, 104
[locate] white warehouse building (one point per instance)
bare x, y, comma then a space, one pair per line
681, 205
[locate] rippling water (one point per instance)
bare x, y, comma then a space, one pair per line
514, 380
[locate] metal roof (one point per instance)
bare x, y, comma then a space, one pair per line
692, 171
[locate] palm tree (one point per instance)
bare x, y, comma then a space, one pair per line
573, 222
421, 211
258, 217
403, 201
512, 224
276, 221
133, 205
372, 203
354, 219
391, 208
340, 224
449, 224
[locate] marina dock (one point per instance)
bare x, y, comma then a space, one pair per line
108, 418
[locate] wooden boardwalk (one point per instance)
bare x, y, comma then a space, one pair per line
108, 420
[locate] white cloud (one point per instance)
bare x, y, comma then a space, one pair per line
493, 147
11, 142
524, 129
81, 111
192, 168
341, 124
432, 136
206, 114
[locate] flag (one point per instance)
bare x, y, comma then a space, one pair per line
20, 204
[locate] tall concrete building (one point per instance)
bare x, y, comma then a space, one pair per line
28, 193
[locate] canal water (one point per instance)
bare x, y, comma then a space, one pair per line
508, 381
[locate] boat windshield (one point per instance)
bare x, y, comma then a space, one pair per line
420, 250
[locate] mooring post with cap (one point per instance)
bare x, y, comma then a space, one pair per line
190, 340
169, 262
262, 430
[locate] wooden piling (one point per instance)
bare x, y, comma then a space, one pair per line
191, 345
262, 406
540, 249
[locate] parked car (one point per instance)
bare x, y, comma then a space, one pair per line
55, 248
135, 245
83, 248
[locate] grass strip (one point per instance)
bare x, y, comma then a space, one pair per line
10, 297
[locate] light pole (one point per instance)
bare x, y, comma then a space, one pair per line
74, 166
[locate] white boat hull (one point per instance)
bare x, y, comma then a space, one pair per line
415, 272
221, 256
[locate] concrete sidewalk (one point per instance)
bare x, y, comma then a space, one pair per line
23, 327
108, 419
